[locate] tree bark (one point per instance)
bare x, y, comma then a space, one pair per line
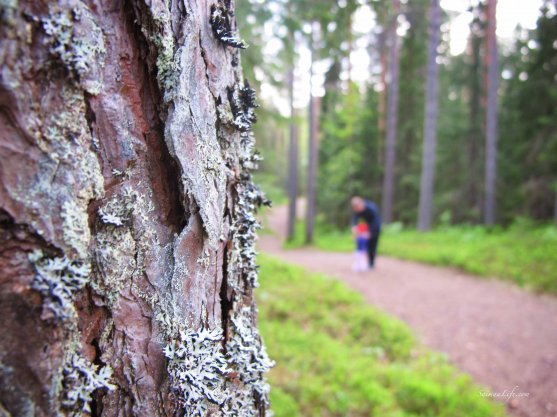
382, 96
313, 148
430, 123
292, 162
387, 195
126, 212
469, 205
491, 115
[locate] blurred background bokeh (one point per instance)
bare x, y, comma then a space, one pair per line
445, 114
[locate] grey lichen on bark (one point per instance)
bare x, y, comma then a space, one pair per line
127, 212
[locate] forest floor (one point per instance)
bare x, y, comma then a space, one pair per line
504, 337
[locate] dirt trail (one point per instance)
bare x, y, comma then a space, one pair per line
504, 337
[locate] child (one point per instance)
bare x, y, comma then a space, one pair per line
362, 239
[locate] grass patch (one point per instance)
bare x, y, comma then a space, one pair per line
337, 356
523, 253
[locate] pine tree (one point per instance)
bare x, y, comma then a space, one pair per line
387, 195
491, 114
430, 123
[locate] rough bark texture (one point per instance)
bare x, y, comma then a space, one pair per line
430, 123
126, 212
388, 190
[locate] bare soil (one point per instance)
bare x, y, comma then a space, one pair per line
503, 336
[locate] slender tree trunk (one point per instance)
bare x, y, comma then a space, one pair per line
126, 212
382, 97
471, 196
387, 196
292, 162
491, 115
430, 123
313, 150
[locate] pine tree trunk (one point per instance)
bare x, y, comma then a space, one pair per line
491, 115
312, 151
430, 122
387, 195
292, 162
382, 96
469, 205
126, 224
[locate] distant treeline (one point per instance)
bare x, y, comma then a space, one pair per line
354, 119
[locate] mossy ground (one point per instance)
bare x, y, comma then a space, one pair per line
337, 356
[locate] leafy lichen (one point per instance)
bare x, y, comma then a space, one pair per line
245, 224
78, 51
58, 279
222, 27
166, 64
76, 228
197, 367
81, 379
117, 211
243, 104
121, 241
248, 357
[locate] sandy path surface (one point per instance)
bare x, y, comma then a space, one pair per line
506, 338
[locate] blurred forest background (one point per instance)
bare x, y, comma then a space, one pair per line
491, 125
450, 126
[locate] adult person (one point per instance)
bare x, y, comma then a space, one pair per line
367, 212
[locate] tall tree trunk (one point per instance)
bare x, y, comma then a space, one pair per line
292, 162
127, 264
387, 195
313, 149
382, 96
430, 122
491, 114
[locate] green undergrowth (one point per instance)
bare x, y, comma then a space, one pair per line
523, 253
337, 356
272, 189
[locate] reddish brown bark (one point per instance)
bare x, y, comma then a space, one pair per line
126, 228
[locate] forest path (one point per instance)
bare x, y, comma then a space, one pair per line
504, 337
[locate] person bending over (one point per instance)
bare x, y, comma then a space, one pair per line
368, 213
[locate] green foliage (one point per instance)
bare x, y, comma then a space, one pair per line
351, 144
346, 148
523, 253
528, 129
290, 24
411, 111
271, 186
527, 177
336, 356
